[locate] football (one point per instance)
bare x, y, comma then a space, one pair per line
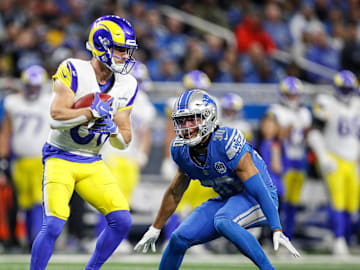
87, 100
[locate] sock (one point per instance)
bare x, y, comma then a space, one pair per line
244, 241
338, 223
101, 225
289, 219
28, 225
348, 227
174, 253
119, 223
170, 226
36, 220
43, 245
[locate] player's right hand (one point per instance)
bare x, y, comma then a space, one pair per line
103, 126
327, 164
148, 239
99, 108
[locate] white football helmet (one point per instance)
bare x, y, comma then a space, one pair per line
194, 116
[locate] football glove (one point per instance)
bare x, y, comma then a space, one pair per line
103, 126
99, 108
280, 239
148, 239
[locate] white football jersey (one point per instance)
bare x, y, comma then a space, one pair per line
30, 123
80, 77
342, 126
298, 120
142, 115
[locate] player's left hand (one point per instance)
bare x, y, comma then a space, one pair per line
148, 240
104, 126
280, 239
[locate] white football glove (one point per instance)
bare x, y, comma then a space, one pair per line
280, 239
148, 239
168, 169
327, 164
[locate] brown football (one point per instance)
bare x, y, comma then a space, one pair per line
88, 99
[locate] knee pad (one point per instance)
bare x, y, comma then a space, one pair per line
119, 220
53, 226
178, 243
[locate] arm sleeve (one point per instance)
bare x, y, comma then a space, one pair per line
256, 187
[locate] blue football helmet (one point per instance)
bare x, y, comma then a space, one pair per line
107, 33
345, 84
33, 78
196, 79
141, 73
290, 90
194, 116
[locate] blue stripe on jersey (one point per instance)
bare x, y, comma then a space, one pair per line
74, 78
50, 151
131, 102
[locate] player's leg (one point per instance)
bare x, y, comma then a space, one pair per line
240, 213
100, 188
196, 229
22, 185
58, 186
336, 183
35, 174
351, 199
293, 180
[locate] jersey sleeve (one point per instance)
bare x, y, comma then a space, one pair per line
306, 117
67, 74
278, 112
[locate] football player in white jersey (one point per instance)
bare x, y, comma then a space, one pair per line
126, 164
220, 158
71, 155
334, 140
24, 132
232, 105
294, 120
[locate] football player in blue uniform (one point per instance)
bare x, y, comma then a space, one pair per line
219, 157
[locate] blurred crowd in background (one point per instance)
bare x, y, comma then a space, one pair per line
324, 32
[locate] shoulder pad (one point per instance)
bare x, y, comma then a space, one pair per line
232, 139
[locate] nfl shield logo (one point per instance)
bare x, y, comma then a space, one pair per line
220, 167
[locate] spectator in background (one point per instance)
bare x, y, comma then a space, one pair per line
350, 54
250, 31
276, 28
323, 53
257, 67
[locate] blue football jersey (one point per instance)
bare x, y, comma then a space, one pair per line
226, 147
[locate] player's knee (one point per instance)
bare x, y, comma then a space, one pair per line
53, 226
178, 243
119, 220
220, 223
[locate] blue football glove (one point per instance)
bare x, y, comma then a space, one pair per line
104, 126
99, 108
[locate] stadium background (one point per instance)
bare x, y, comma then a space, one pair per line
177, 36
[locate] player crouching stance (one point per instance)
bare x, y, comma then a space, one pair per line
220, 158
71, 155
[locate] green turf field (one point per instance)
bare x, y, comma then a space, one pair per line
133, 266
194, 262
